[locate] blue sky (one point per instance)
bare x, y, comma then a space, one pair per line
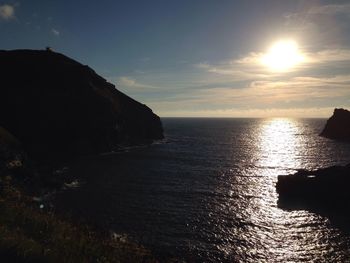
199, 57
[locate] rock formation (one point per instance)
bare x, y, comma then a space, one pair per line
325, 190
58, 108
338, 126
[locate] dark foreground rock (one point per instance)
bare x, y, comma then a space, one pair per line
338, 125
59, 108
324, 191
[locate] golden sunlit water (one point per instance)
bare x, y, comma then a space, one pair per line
278, 144
208, 193
291, 236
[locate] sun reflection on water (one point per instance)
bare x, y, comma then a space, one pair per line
278, 144
288, 235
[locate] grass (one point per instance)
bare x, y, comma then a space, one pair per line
29, 234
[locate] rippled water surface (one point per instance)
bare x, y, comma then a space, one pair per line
207, 192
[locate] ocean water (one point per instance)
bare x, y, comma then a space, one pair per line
207, 192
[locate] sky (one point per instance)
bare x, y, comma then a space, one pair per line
198, 58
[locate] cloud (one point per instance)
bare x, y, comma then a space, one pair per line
55, 32
125, 81
245, 68
247, 84
299, 89
243, 87
7, 12
330, 55
249, 113
202, 65
250, 67
132, 83
330, 9
259, 99
214, 94
320, 26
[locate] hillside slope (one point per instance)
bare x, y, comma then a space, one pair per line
59, 108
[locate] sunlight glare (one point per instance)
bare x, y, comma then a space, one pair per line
279, 146
282, 56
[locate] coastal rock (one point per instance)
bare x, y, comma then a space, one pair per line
324, 190
11, 154
338, 126
59, 108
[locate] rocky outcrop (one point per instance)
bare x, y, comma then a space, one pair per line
338, 126
58, 108
325, 190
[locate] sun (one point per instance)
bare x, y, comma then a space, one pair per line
283, 55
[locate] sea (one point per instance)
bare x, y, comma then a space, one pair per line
207, 192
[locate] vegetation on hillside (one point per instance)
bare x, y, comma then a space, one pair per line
31, 233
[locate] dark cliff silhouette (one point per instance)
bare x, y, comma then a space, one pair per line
324, 191
326, 188
59, 108
338, 125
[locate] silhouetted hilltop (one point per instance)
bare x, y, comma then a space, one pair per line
338, 125
57, 107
